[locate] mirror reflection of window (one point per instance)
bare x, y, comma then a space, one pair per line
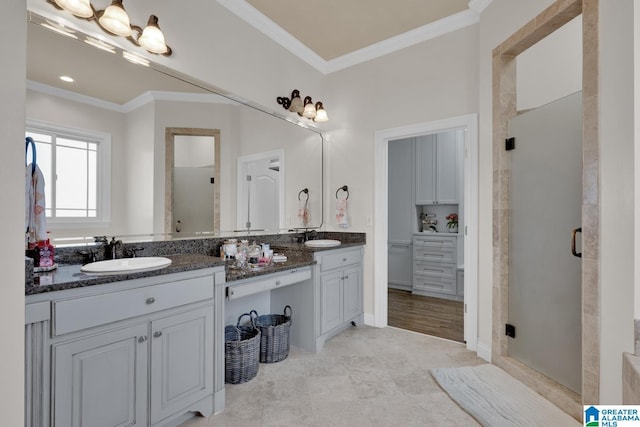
193, 183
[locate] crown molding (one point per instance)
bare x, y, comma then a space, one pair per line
137, 102
256, 19
402, 41
153, 96
260, 22
73, 96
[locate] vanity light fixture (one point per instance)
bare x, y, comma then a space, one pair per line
114, 20
304, 108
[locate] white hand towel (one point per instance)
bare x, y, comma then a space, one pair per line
35, 216
342, 213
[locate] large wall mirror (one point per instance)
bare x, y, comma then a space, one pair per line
145, 110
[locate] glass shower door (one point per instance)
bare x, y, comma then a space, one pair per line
545, 278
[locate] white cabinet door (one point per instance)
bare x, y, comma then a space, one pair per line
400, 264
447, 168
352, 294
181, 361
101, 381
402, 220
437, 164
331, 301
426, 170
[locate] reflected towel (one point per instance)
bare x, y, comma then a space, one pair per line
35, 217
303, 212
342, 213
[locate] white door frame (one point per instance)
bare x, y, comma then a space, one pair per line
470, 125
241, 193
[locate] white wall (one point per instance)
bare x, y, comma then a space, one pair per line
13, 45
616, 193
552, 68
429, 81
636, 39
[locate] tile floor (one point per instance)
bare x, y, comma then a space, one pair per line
363, 377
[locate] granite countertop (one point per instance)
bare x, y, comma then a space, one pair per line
69, 276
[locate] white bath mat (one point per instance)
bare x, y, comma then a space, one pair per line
496, 399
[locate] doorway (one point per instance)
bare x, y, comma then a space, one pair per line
425, 250
260, 204
192, 180
469, 126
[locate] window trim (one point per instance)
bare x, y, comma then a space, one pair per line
103, 179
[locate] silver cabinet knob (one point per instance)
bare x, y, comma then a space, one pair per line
142, 338
151, 300
157, 334
277, 282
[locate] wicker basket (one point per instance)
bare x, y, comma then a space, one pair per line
274, 330
241, 347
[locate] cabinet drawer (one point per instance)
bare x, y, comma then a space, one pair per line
435, 254
441, 285
340, 259
435, 241
86, 312
259, 285
434, 269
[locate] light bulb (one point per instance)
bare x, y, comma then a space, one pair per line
152, 38
115, 19
80, 8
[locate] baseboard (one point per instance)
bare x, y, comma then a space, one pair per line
483, 351
370, 320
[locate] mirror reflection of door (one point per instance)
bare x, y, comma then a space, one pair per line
194, 183
260, 197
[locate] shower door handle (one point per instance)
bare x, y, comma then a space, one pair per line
573, 242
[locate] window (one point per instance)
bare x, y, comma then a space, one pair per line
75, 164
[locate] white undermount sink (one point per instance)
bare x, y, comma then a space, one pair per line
322, 243
126, 265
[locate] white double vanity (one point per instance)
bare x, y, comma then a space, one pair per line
147, 349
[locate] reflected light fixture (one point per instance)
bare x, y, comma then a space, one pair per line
321, 114
304, 108
114, 20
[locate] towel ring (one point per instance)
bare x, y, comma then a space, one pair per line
343, 188
305, 191
29, 141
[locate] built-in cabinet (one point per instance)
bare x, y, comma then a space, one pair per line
402, 215
326, 297
436, 165
137, 352
425, 176
435, 265
340, 290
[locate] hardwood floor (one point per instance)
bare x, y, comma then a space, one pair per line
433, 316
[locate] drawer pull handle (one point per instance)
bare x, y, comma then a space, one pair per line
277, 282
157, 334
345, 277
344, 260
142, 339
151, 300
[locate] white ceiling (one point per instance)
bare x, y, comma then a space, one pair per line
334, 34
